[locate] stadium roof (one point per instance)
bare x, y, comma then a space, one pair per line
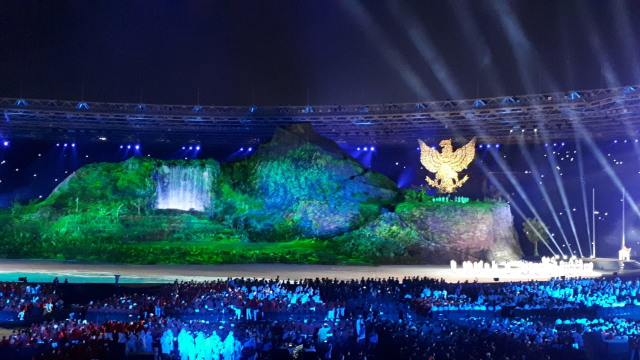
602, 114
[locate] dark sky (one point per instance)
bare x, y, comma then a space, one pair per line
277, 52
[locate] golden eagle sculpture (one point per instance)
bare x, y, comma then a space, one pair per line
447, 164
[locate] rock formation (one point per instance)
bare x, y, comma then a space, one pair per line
299, 188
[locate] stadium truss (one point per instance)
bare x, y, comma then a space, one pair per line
602, 114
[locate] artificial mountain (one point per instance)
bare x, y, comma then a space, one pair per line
299, 199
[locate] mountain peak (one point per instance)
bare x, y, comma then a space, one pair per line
293, 136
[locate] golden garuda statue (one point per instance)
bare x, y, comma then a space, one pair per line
447, 164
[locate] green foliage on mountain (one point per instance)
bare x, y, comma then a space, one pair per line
298, 199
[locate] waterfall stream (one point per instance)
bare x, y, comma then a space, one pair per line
184, 187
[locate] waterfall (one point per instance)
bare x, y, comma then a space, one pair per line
184, 187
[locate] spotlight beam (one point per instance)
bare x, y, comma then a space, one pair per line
391, 54
510, 200
433, 59
514, 182
607, 167
627, 37
543, 189
518, 40
385, 46
523, 52
520, 45
478, 44
509, 174
423, 44
563, 34
593, 35
426, 48
561, 189
584, 133
584, 190
580, 130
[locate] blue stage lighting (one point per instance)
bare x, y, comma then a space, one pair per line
190, 147
65, 145
250, 149
358, 148
366, 148
128, 146
21, 102
562, 144
58, 144
241, 149
83, 105
479, 103
5, 143
555, 144
198, 147
73, 144
615, 141
480, 146
373, 148
488, 145
497, 145
121, 146
137, 147
184, 148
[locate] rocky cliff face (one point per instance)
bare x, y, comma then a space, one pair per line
328, 194
308, 184
464, 232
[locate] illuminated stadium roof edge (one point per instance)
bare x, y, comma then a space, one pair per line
602, 114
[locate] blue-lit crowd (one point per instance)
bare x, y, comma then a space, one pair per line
410, 318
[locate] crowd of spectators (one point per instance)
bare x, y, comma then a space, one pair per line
410, 318
554, 294
25, 300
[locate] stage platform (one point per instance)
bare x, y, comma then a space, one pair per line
78, 272
612, 264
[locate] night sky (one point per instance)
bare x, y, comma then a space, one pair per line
321, 52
